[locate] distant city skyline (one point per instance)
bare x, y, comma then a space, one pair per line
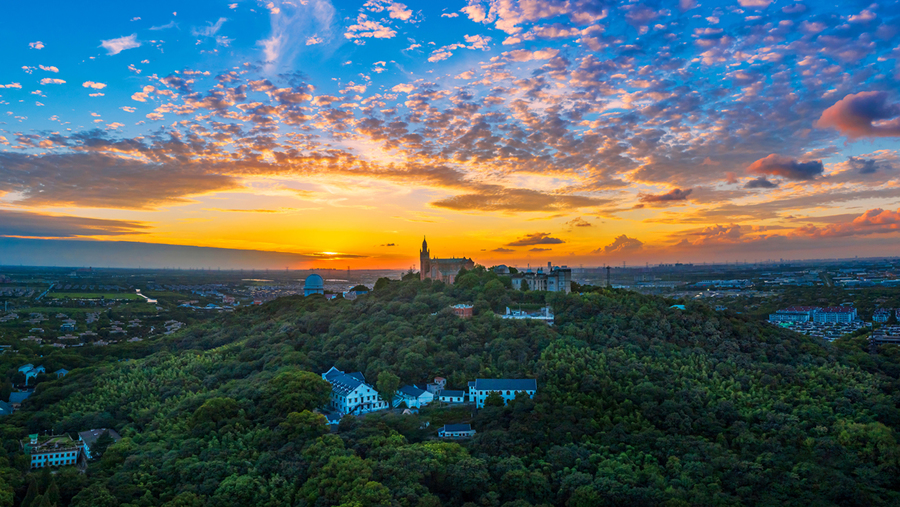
325, 132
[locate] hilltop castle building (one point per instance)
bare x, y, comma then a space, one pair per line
444, 270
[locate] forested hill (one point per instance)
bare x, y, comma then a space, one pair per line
637, 404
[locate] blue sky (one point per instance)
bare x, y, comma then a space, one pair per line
593, 130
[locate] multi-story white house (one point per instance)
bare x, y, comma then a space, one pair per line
506, 388
413, 397
842, 314
350, 394
53, 451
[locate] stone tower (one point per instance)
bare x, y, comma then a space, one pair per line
424, 260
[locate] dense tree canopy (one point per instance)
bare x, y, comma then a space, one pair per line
637, 404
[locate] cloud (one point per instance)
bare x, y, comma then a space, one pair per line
92, 84
43, 225
48, 68
503, 250
366, 27
209, 31
673, 195
873, 221
170, 24
104, 181
36, 45
524, 55
760, 182
516, 200
291, 26
755, 4
49, 80
11, 85
399, 11
389, 244
537, 238
865, 114
869, 166
621, 244
776, 165
578, 222
536, 249
116, 46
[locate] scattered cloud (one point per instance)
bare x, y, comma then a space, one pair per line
92, 84
537, 238
673, 195
760, 182
788, 168
210, 30
44, 225
503, 250
621, 244
755, 4
864, 114
116, 46
48, 68
36, 45
50, 80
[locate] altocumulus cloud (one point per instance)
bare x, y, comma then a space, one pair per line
538, 238
40, 225
865, 114
116, 46
621, 244
776, 165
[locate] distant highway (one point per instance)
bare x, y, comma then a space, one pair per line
45, 292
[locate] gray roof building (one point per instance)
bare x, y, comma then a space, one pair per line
503, 384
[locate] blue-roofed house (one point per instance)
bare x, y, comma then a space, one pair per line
451, 396
60, 373
413, 397
350, 394
16, 398
33, 373
506, 388
5, 408
26, 368
455, 431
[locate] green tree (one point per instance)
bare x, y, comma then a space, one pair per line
387, 385
32, 493
214, 410
381, 284
95, 495
296, 391
52, 493
186, 499
493, 399
304, 426
102, 444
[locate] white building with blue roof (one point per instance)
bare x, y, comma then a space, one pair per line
506, 388
350, 394
413, 397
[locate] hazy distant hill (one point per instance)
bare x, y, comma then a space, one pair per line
637, 404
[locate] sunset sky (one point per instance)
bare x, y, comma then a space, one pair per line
582, 132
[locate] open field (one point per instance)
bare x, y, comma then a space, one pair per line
93, 295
